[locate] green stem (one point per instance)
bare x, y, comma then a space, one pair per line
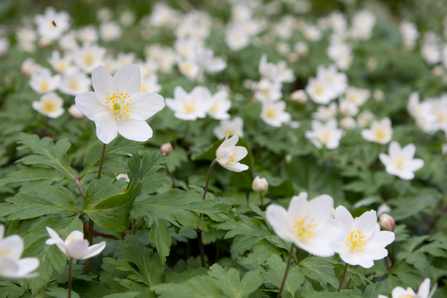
287, 271
262, 201
350, 279
342, 277
186, 133
69, 277
90, 221
199, 232
170, 175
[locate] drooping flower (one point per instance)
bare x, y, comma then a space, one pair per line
116, 106
423, 292
75, 246
364, 242
325, 134
400, 161
50, 105
306, 224
11, 266
379, 132
229, 127
190, 106
228, 155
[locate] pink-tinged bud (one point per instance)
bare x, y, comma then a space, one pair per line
166, 149
75, 113
299, 96
387, 222
288, 158
260, 184
44, 42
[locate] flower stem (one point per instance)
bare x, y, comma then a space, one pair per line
287, 271
262, 201
186, 133
342, 277
90, 221
350, 279
392, 256
170, 175
69, 277
199, 232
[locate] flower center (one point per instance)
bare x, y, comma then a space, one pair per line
380, 133
186, 68
189, 106
325, 136
319, 90
48, 106
118, 104
406, 296
5, 253
304, 231
214, 108
229, 132
352, 98
62, 65
88, 59
143, 88
271, 113
355, 241
399, 163
44, 86
231, 159
441, 117
70, 240
73, 85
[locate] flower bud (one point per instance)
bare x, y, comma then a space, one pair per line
123, 176
347, 123
299, 96
288, 158
260, 184
75, 113
387, 222
166, 149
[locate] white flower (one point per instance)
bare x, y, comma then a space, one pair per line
228, 154
334, 79
229, 127
109, 31
306, 224
50, 105
260, 184
89, 57
150, 84
236, 38
116, 106
409, 34
347, 123
364, 242
418, 109
123, 59
299, 96
74, 82
347, 108
400, 161
189, 68
424, 291
266, 90
60, 64
325, 113
301, 48
319, 91
52, 24
379, 132
43, 82
362, 24
431, 53
75, 246
311, 32
365, 118
11, 266
88, 34
75, 113
190, 106
325, 134
357, 96
149, 67
221, 105
274, 114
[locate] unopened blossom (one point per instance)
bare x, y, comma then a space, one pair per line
116, 106
229, 127
306, 224
75, 113
75, 246
379, 132
325, 134
221, 105
363, 243
387, 223
43, 82
365, 118
299, 96
348, 123
319, 91
50, 104
52, 24
190, 106
166, 149
423, 292
400, 161
260, 184
274, 114
74, 82
11, 266
228, 154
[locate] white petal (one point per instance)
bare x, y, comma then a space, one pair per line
102, 82
409, 151
75, 235
298, 206
320, 208
424, 289
180, 93
77, 249
416, 164
106, 128
94, 250
8, 268
54, 237
146, 105
344, 217
88, 104
394, 149
15, 244
127, 79
26, 266
362, 259
240, 152
278, 218
135, 130
366, 223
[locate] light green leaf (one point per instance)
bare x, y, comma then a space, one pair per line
320, 270
31, 175
228, 281
160, 236
10, 290
60, 292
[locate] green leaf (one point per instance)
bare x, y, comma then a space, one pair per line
261, 252
197, 287
60, 292
50, 200
149, 170
181, 277
123, 295
246, 227
320, 270
10, 290
47, 154
418, 204
160, 236
31, 175
106, 206
275, 269
376, 289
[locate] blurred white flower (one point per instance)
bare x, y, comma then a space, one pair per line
347, 108
319, 91
274, 114
266, 90
301, 48
104, 14
50, 105
60, 64
357, 96
190, 106
127, 19
26, 38
229, 127
431, 53
74, 81
11, 266
364, 242
221, 105
29, 66
299, 96
42, 81
325, 113
423, 292
325, 134
311, 32
75, 113
87, 34
365, 118
68, 42
409, 34
400, 161
110, 31
236, 38
348, 123
228, 154
379, 132
334, 79
306, 224
75, 246
116, 106
150, 84
88, 57
52, 24
362, 25
260, 184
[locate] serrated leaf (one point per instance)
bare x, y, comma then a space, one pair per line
181, 277
246, 227
10, 290
197, 287
149, 170
123, 295
320, 270
60, 292
160, 236
31, 175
